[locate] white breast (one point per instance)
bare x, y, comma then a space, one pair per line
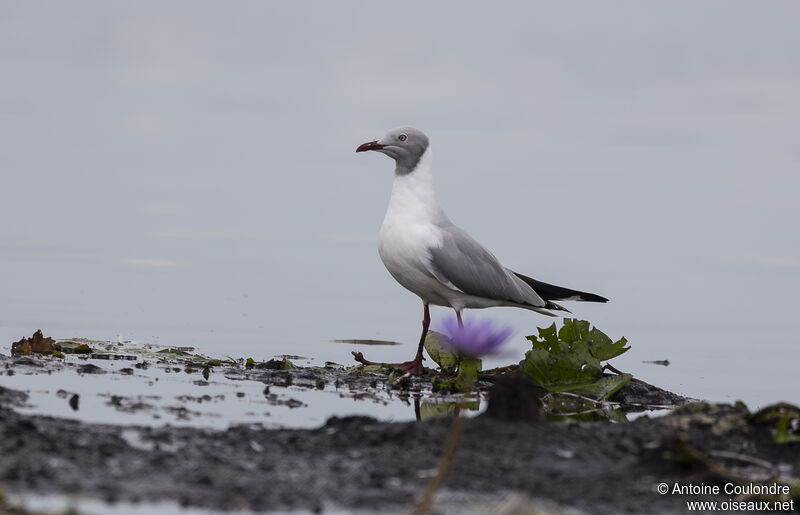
409, 230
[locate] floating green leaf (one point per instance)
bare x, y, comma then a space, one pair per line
447, 361
569, 359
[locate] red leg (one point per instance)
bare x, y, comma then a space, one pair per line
415, 366
458, 316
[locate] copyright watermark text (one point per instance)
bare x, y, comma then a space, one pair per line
747, 491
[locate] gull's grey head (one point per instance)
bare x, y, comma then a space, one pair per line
405, 145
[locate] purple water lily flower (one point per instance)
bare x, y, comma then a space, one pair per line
475, 338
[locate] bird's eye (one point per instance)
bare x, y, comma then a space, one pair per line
402, 137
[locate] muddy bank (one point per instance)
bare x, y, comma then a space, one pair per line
97, 381
361, 463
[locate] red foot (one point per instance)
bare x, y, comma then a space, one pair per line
414, 367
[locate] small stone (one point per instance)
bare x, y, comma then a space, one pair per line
90, 368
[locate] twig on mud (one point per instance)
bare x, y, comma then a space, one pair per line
600, 402
574, 413
612, 368
579, 396
619, 372
680, 449
729, 475
744, 457
361, 359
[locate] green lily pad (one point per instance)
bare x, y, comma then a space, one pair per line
446, 360
569, 359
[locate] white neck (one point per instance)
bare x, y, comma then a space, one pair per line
413, 198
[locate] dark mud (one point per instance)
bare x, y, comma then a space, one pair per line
360, 463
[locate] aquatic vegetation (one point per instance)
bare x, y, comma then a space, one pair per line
569, 360
177, 351
785, 419
73, 347
461, 347
440, 353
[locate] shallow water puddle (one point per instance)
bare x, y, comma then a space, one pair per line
124, 391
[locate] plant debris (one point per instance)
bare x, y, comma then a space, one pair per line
37, 344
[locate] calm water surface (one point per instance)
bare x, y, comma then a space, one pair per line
192, 180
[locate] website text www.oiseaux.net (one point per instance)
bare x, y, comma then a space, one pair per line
746, 503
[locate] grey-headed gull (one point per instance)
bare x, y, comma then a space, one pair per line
435, 259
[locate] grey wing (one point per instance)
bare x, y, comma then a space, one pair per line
469, 267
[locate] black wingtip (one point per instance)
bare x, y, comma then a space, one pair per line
591, 297
552, 292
